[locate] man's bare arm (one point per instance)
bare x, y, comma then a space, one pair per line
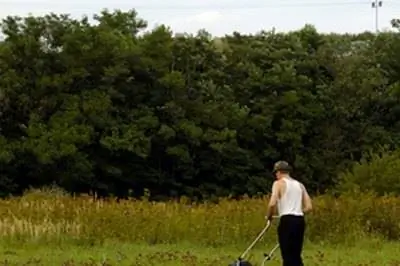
307, 204
273, 200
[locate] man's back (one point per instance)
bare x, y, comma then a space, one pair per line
290, 202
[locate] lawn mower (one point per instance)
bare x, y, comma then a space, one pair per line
267, 256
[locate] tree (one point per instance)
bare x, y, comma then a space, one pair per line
104, 108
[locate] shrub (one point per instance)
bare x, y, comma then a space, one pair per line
377, 172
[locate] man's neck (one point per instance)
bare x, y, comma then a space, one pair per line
285, 176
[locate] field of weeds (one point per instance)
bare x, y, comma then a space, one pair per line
44, 229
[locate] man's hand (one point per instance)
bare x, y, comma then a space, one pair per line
270, 218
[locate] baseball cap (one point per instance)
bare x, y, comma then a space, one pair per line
281, 166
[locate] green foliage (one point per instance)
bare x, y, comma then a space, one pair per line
112, 109
377, 172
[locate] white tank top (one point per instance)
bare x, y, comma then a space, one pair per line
291, 201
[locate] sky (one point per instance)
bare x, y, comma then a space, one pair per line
220, 17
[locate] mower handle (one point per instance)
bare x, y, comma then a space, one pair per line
268, 257
260, 235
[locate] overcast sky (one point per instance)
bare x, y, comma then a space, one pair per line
221, 17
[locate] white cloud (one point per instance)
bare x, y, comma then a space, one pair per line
209, 17
206, 17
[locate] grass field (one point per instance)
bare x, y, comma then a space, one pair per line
52, 229
363, 254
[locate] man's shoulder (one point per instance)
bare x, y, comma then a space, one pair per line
279, 183
302, 186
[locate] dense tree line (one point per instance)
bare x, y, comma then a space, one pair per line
112, 108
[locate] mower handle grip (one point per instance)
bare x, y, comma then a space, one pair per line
273, 217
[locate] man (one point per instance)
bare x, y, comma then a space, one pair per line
291, 199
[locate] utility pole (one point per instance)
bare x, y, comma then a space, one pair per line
376, 4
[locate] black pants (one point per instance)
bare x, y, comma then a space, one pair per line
291, 234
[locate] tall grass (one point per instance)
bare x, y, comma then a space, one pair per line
42, 217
